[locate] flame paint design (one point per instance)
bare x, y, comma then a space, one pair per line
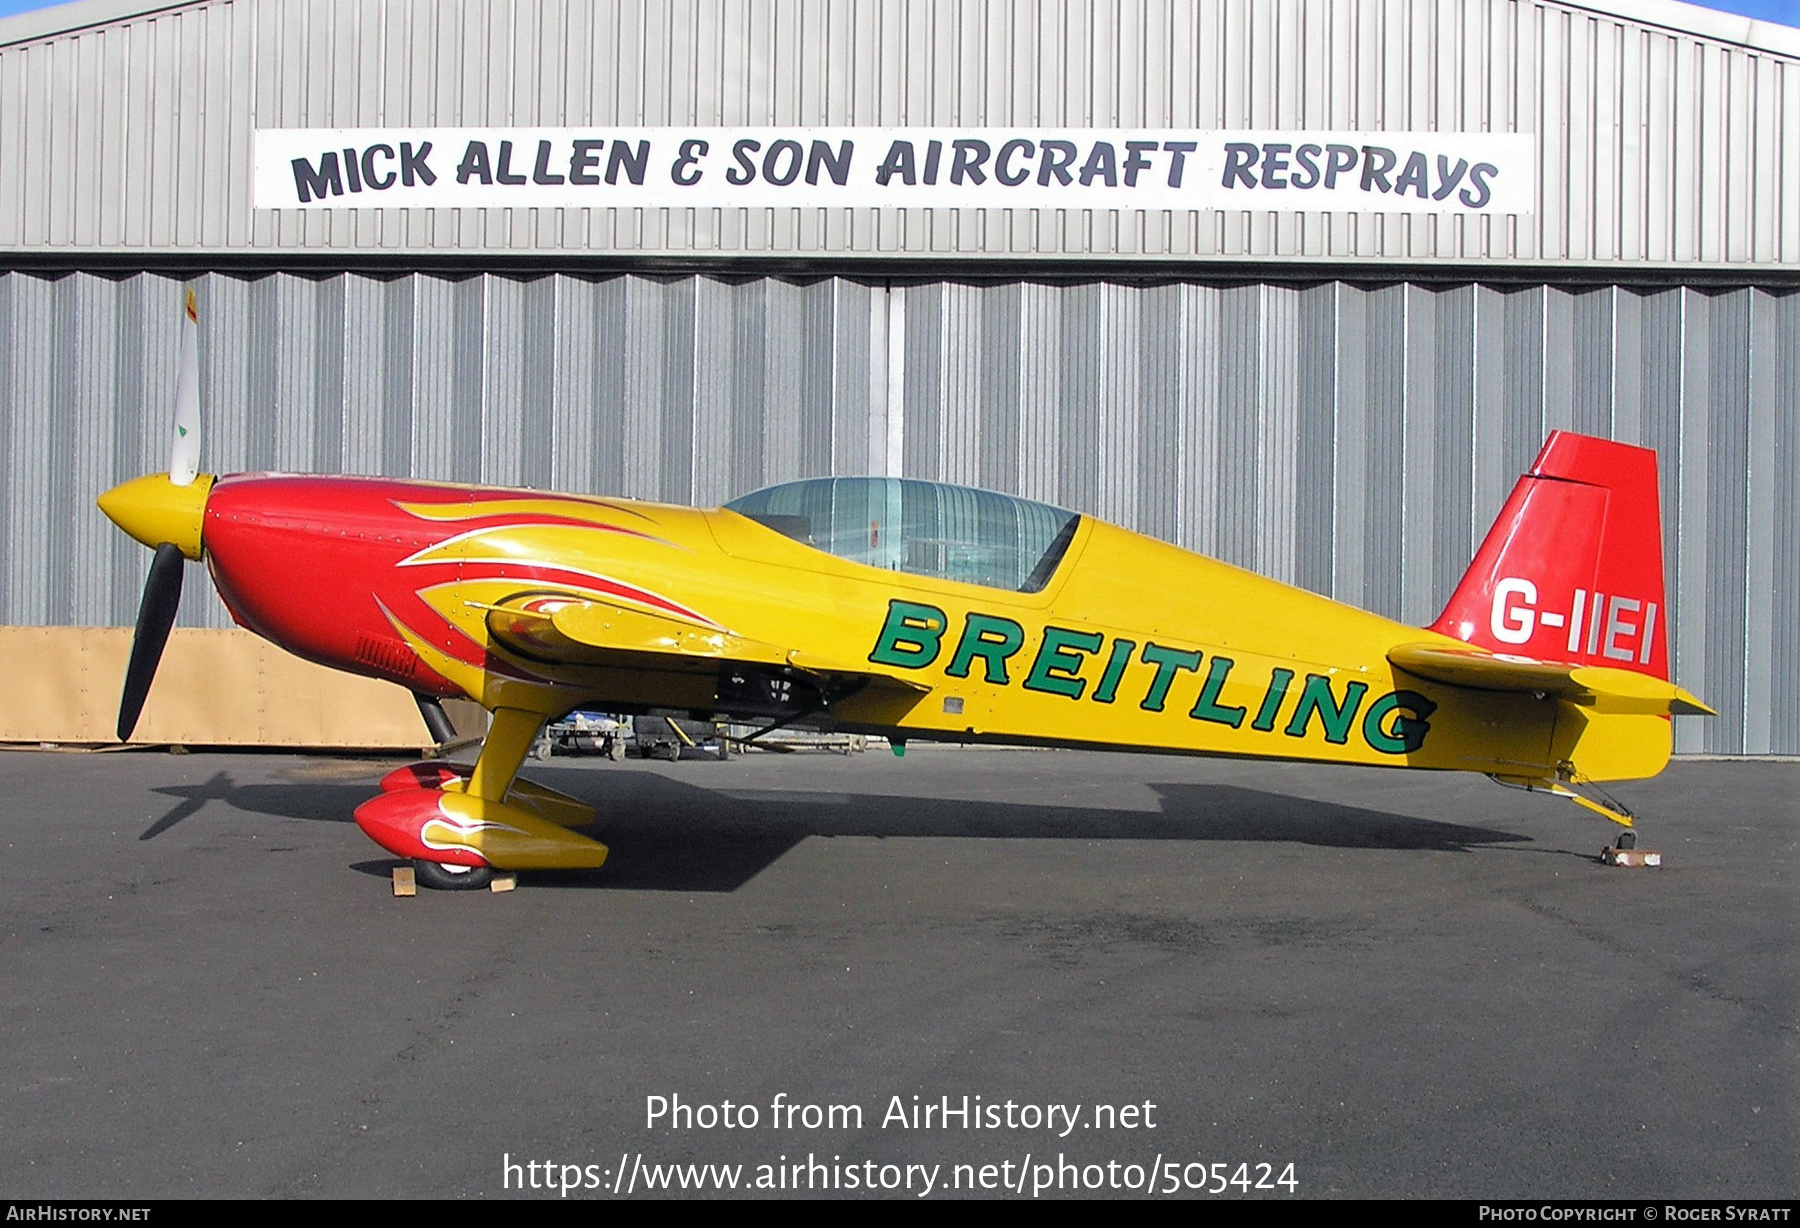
525, 567
456, 835
555, 509
512, 544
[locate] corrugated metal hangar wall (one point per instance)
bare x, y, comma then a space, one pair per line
1337, 399
1354, 440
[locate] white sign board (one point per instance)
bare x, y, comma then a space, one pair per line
895, 168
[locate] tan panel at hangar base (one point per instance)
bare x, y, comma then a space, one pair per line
213, 688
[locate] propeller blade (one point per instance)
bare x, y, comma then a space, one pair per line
184, 449
156, 614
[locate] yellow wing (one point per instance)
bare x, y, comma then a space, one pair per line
585, 631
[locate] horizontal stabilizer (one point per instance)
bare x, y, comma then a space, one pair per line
1594, 686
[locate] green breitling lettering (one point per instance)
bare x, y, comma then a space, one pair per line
911, 637
1167, 661
1057, 664
991, 638
1407, 732
1207, 707
1118, 657
1337, 719
1271, 704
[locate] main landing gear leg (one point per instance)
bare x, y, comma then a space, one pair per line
510, 737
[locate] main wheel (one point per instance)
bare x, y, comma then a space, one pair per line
441, 876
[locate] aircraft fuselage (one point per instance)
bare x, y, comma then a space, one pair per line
1133, 643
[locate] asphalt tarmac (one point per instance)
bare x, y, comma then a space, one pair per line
1112, 970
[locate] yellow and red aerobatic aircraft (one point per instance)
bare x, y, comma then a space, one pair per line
913, 610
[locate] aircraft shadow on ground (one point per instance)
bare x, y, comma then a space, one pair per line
669, 835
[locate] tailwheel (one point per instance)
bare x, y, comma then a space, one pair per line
442, 876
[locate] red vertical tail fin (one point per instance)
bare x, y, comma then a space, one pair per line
1572, 570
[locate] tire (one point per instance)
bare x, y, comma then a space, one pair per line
441, 877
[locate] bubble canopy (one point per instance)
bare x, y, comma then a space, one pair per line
920, 528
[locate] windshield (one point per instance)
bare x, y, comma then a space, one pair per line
921, 528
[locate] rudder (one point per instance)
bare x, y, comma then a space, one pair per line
1572, 569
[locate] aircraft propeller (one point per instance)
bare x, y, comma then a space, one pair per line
184, 448
164, 512
156, 615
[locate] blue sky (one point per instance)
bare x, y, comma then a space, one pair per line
1785, 11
